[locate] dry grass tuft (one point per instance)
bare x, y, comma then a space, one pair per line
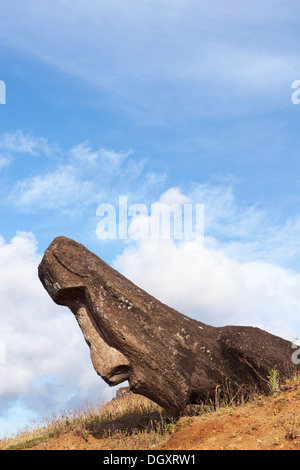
135, 423
131, 422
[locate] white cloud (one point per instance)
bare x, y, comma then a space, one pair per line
47, 360
59, 189
110, 160
213, 288
246, 233
14, 143
4, 161
243, 278
18, 142
84, 176
173, 196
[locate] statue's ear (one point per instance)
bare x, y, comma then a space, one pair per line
70, 256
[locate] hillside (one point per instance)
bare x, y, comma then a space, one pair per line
268, 423
133, 422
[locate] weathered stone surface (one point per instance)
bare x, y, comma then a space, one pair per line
166, 356
122, 391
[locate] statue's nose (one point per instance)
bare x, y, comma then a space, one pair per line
108, 362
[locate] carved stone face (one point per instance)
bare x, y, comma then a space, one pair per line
68, 287
131, 335
166, 356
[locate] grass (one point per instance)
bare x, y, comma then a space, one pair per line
273, 381
129, 423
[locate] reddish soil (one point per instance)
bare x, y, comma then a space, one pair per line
268, 424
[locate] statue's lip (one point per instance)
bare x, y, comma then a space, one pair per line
117, 375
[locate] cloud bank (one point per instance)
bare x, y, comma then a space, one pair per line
213, 288
47, 367
246, 271
223, 281
240, 274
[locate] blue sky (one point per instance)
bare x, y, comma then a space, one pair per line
157, 101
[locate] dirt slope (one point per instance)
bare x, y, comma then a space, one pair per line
268, 424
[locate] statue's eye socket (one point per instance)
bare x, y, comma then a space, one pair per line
70, 260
